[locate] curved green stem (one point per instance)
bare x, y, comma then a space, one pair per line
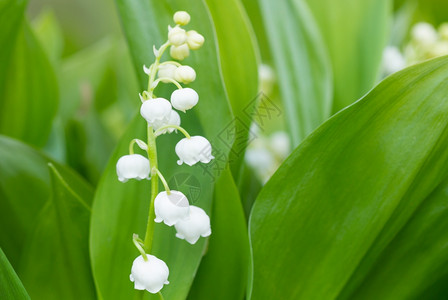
159, 131
155, 66
161, 296
171, 62
165, 184
155, 83
137, 243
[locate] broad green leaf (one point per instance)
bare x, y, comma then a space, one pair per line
121, 209
224, 268
355, 33
341, 202
239, 63
302, 64
25, 187
28, 94
10, 285
48, 32
55, 263
11, 16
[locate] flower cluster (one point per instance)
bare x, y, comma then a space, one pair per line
425, 42
170, 207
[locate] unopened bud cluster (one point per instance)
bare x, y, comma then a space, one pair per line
170, 207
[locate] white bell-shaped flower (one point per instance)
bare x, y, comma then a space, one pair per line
149, 275
184, 99
193, 150
181, 18
184, 74
166, 71
194, 40
133, 166
173, 120
180, 52
177, 36
393, 60
171, 208
196, 225
156, 111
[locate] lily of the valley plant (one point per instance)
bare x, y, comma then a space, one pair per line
170, 207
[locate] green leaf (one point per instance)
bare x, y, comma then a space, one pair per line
347, 202
239, 62
122, 209
10, 285
25, 188
55, 263
302, 64
28, 94
224, 268
355, 33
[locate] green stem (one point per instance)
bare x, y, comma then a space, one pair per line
152, 156
165, 184
161, 296
159, 131
155, 67
155, 83
171, 62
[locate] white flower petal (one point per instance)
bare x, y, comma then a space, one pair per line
184, 99
171, 208
166, 71
149, 275
193, 150
185, 74
181, 18
194, 40
133, 166
180, 52
156, 111
177, 36
195, 226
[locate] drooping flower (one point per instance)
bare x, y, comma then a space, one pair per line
177, 36
181, 18
180, 52
156, 111
194, 40
184, 99
171, 208
166, 71
193, 150
424, 33
149, 275
173, 120
132, 166
393, 60
184, 74
196, 225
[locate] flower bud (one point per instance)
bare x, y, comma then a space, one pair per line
184, 99
185, 74
194, 40
177, 36
180, 52
393, 60
149, 275
196, 225
193, 150
171, 208
132, 166
181, 18
166, 71
156, 111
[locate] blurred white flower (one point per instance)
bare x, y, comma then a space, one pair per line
184, 99
177, 36
180, 52
196, 225
262, 161
166, 71
156, 111
171, 208
132, 166
193, 150
181, 18
184, 74
424, 33
393, 60
149, 275
280, 144
194, 40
